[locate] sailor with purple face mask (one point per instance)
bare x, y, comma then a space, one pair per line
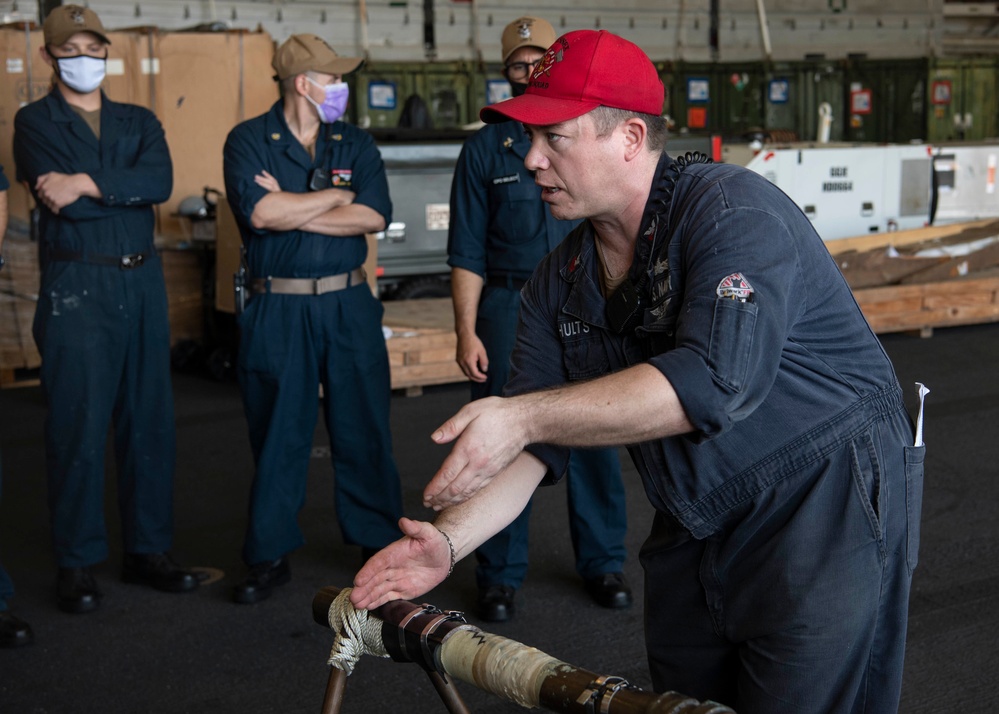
305, 186
334, 102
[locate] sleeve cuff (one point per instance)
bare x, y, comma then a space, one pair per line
691, 380
556, 458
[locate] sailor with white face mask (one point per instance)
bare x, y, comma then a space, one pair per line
82, 72
96, 168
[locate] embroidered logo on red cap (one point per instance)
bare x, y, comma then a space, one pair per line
551, 58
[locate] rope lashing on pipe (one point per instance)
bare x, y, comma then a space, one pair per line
443, 644
357, 634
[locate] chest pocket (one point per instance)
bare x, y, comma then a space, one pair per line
583, 352
516, 204
125, 150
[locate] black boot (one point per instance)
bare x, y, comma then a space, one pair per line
76, 590
157, 570
262, 578
496, 603
610, 590
14, 632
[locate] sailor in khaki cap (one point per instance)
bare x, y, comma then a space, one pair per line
500, 230
305, 187
96, 169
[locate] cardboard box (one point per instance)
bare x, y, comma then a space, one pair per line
199, 85
207, 84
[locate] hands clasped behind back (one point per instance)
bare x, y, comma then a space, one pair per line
488, 434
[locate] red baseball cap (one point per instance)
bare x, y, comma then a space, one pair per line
583, 70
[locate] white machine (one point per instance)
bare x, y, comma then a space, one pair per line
852, 190
965, 182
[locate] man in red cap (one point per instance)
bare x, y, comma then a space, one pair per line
696, 316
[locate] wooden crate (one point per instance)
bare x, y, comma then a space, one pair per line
183, 271
18, 298
422, 346
422, 343
924, 306
19, 281
924, 292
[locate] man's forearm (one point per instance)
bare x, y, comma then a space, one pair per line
472, 523
466, 291
631, 406
355, 219
286, 211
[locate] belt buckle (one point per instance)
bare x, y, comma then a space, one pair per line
325, 284
132, 260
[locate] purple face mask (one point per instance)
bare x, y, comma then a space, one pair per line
335, 102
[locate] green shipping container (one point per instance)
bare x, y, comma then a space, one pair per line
381, 92
796, 92
716, 98
962, 99
886, 100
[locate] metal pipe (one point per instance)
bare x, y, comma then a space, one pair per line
764, 30
448, 694
443, 643
335, 687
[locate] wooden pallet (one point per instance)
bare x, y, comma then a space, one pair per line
904, 292
924, 306
422, 344
18, 298
10, 378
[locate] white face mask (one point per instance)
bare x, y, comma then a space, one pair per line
82, 73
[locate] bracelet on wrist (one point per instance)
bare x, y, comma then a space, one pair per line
450, 546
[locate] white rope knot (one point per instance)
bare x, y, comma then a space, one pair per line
356, 633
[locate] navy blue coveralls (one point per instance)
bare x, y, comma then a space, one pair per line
6, 585
101, 325
290, 344
500, 229
787, 528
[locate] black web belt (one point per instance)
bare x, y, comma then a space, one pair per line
124, 262
505, 280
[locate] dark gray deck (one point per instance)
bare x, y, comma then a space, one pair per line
145, 651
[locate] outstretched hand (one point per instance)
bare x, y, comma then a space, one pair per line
490, 434
408, 568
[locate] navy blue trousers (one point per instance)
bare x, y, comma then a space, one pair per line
802, 605
594, 489
104, 338
291, 344
6, 586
